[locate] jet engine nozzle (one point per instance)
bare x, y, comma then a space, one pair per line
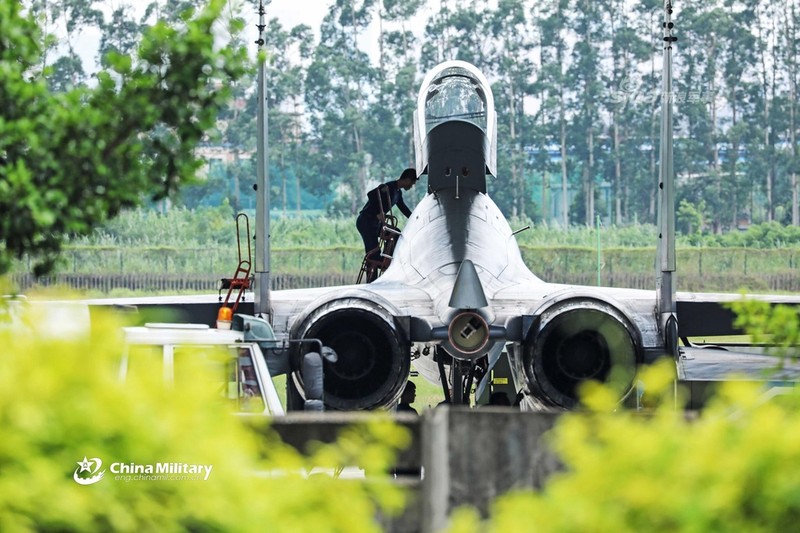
373, 364
578, 340
467, 335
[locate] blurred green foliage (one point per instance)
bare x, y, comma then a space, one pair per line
61, 400
773, 325
733, 467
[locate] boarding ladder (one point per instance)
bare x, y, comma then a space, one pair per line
377, 260
241, 279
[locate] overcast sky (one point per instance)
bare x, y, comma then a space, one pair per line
294, 12
289, 12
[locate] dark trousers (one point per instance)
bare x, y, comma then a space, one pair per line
369, 227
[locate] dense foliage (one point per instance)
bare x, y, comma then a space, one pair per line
732, 468
576, 86
73, 158
181, 227
61, 400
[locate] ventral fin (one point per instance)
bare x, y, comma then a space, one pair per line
467, 290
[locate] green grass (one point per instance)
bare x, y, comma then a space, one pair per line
428, 394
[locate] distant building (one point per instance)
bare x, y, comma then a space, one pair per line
216, 156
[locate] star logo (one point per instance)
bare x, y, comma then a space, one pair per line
85, 464
92, 473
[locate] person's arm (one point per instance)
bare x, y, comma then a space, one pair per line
386, 194
401, 205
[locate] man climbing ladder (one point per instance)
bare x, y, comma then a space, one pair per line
377, 225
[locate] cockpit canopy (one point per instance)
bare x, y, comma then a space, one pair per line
455, 95
455, 91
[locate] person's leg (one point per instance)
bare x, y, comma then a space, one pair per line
368, 226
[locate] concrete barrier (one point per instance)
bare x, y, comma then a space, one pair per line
471, 456
467, 456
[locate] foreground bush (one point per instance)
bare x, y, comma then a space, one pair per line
61, 401
735, 468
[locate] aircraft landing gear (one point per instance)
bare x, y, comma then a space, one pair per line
463, 375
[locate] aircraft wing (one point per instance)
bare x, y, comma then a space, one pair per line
287, 305
702, 368
707, 314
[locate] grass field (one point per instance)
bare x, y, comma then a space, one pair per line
428, 394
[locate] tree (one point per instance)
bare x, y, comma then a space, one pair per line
764, 152
510, 31
172, 11
285, 93
338, 86
458, 32
586, 77
790, 23
69, 161
738, 58
552, 87
391, 114
120, 35
697, 154
628, 50
71, 17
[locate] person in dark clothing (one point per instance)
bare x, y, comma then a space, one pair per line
499, 398
408, 397
373, 213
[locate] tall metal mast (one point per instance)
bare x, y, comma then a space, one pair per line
665, 285
262, 281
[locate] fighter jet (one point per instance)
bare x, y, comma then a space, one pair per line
457, 293
458, 296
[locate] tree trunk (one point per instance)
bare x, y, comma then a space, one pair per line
563, 140
653, 143
516, 205
617, 172
282, 167
791, 29
715, 173
362, 177
765, 91
588, 176
296, 165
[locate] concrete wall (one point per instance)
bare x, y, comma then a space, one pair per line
468, 456
471, 456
